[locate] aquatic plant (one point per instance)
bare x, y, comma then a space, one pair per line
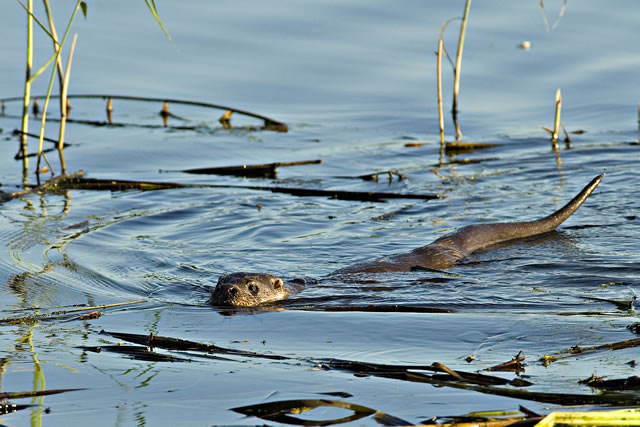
63, 78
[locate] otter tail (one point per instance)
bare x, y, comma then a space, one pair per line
473, 237
550, 222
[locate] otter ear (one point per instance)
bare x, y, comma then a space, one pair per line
277, 283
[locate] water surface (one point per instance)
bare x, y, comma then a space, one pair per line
355, 82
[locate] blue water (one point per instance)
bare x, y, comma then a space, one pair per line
355, 82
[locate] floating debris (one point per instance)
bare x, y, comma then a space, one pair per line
525, 45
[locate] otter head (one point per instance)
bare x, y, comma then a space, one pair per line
248, 289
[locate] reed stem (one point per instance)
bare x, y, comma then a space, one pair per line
61, 84
53, 74
54, 39
27, 91
64, 104
439, 73
456, 82
556, 123
110, 110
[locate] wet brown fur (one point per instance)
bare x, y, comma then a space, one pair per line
250, 289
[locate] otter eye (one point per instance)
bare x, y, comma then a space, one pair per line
253, 289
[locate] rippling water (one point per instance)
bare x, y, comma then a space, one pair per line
355, 83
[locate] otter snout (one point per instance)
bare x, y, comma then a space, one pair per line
224, 294
247, 289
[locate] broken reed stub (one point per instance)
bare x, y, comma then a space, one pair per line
556, 122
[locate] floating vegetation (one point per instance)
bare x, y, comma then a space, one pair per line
225, 119
71, 314
630, 383
522, 418
577, 350
625, 417
281, 411
468, 161
267, 170
135, 352
7, 407
513, 365
77, 181
440, 376
376, 175
25, 394
464, 147
51, 185
168, 343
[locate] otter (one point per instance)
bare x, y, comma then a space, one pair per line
252, 289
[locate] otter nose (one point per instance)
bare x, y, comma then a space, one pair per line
226, 289
224, 294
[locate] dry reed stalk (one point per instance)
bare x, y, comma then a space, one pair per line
165, 113
110, 110
27, 91
64, 105
54, 39
439, 73
58, 50
556, 123
458, 68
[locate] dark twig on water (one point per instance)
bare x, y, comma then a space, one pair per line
18, 155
